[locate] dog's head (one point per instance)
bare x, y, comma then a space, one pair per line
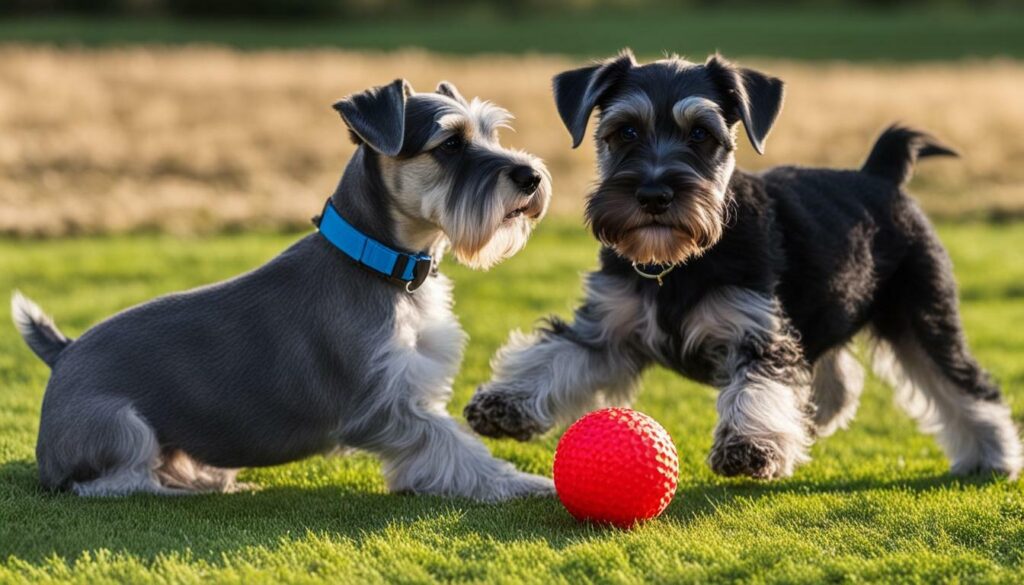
440, 161
666, 147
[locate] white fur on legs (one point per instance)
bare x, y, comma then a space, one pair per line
551, 377
763, 415
555, 379
763, 379
407, 423
438, 457
977, 435
836, 389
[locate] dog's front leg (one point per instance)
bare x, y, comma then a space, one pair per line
556, 374
764, 408
429, 453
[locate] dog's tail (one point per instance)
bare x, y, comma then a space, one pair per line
897, 149
38, 330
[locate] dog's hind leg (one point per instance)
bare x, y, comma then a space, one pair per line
180, 471
973, 424
922, 352
103, 449
835, 391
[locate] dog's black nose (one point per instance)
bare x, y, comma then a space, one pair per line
525, 178
654, 199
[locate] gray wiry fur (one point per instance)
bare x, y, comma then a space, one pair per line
309, 352
543, 378
755, 360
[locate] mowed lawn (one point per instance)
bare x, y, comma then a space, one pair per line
876, 503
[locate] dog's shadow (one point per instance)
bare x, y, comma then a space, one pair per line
36, 525
39, 525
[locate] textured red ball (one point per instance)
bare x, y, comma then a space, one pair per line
616, 466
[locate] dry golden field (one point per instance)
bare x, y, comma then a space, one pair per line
203, 138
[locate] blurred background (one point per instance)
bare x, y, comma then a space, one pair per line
195, 116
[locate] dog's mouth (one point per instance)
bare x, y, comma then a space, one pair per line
658, 228
531, 209
517, 212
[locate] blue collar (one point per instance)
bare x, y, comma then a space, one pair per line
402, 268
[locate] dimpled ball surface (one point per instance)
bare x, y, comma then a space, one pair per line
616, 466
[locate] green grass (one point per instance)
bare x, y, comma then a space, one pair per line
875, 504
837, 34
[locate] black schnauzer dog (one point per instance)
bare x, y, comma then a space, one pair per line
753, 283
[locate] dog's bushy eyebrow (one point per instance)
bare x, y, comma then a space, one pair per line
700, 110
634, 106
448, 124
477, 119
423, 115
489, 117
453, 121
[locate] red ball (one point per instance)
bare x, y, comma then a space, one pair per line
616, 466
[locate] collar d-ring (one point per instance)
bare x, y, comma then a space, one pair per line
650, 276
408, 270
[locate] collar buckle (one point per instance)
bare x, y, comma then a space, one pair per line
422, 267
405, 269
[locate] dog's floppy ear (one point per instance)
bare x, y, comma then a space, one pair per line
448, 89
376, 116
578, 91
756, 97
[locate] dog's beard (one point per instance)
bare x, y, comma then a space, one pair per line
496, 226
692, 223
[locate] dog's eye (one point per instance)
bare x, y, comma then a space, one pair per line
453, 144
628, 133
699, 134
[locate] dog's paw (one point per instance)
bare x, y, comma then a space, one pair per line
239, 487
521, 485
740, 457
493, 414
1010, 469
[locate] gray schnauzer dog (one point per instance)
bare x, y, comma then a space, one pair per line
325, 346
752, 283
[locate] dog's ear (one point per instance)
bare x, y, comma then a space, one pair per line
755, 97
376, 116
577, 92
448, 89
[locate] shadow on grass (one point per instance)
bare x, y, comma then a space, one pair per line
35, 525
705, 499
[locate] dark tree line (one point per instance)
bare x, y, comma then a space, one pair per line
306, 9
